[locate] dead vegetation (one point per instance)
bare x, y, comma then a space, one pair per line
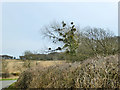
99, 72
13, 68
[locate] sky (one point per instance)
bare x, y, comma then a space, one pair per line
22, 22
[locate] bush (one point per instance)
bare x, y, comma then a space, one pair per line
5, 75
15, 74
92, 73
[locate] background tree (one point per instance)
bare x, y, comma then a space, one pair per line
28, 55
100, 41
27, 52
66, 34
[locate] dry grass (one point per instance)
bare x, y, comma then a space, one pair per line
13, 68
93, 73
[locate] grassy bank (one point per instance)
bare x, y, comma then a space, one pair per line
7, 79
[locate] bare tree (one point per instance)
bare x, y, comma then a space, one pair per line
66, 34
100, 40
81, 44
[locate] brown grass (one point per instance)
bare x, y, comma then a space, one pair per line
13, 68
93, 73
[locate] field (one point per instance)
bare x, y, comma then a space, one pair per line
11, 69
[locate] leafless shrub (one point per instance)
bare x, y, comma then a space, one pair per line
92, 73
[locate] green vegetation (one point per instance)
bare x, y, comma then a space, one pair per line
6, 79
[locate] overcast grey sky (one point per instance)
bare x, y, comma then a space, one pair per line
22, 22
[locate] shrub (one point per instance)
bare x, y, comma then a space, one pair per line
5, 75
92, 73
15, 74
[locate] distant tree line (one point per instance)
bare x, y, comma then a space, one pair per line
51, 56
7, 57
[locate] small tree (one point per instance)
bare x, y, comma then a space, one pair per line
27, 52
